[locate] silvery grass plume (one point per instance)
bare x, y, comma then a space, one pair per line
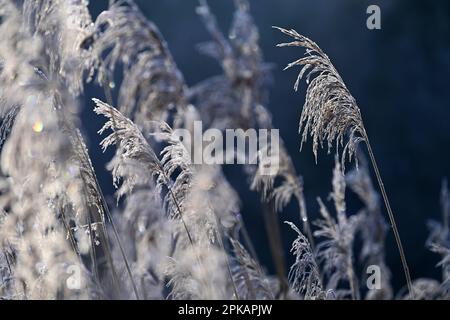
97, 211
186, 201
148, 240
39, 180
291, 184
62, 25
124, 39
231, 98
136, 163
236, 99
439, 238
199, 191
152, 85
336, 251
304, 275
330, 114
244, 71
251, 281
40, 70
143, 225
228, 100
35, 229
198, 271
373, 230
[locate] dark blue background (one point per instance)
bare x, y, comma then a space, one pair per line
399, 76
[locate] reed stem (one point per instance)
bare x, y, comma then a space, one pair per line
391, 217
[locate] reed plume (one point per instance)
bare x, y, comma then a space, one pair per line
176, 225
336, 251
330, 114
123, 38
304, 274
237, 98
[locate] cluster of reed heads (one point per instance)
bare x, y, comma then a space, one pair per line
176, 231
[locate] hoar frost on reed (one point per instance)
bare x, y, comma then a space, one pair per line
336, 251
237, 99
175, 231
152, 85
40, 182
304, 274
330, 114
186, 201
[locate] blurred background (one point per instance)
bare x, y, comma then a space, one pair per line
399, 76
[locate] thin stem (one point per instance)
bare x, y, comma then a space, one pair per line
391, 217
122, 252
69, 233
93, 252
248, 283
219, 238
109, 98
116, 234
298, 183
84, 158
304, 218
276, 246
10, 270
103, 235
352, 279
174, 199
247, 239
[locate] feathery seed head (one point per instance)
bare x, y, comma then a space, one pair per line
330, 113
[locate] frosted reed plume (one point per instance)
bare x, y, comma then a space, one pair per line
36, 157
32, 230
251, 281
63, 25
46, 61
336, 251
152, 85
331, 114
186, 201
237, 99
176, 231
304, 274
